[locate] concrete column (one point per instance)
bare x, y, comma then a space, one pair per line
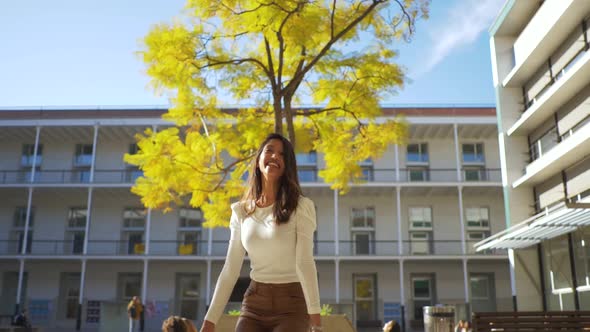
512, 278
457, 159
92, 164
27, 222
337, 279
148, 228
208, 298
402, 294
35, 151
398, 200
81, 296
336, 239
19, 288
396, 150
466, 280
88, 220
210, 242
462, 220
144, 281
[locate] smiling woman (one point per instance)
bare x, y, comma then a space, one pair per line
274, 224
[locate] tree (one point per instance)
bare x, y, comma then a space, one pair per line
273, 54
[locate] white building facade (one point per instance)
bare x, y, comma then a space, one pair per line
76, 244
541, 70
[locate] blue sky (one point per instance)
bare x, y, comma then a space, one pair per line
69, 53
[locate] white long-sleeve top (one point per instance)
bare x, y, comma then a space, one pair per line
278, 254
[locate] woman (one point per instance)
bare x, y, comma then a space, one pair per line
178, 324
274, 224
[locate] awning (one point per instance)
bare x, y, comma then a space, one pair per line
560, 219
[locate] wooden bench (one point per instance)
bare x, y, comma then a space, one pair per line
530, 321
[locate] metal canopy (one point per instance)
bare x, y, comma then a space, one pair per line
553, 222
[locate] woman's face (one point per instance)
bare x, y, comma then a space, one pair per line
271, 162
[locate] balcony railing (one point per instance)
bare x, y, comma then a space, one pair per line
128, 176
219, 248
551, 138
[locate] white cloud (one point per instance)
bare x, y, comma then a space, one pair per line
465, 21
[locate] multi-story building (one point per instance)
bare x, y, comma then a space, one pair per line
75, 244
541, 72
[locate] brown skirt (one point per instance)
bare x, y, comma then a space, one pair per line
273, 308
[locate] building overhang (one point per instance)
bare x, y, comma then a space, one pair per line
560, 219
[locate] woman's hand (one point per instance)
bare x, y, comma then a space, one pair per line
208, 327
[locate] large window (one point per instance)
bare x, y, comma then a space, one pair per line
307, 166
417, 153
367, 170
187, 295
129, 285
132, 171
420, 230
473, 153
418, 173
189, 231
363, 217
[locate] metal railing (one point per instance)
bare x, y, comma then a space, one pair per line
128, 176
219, 248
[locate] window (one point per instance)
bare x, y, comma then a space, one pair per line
133, 229
129, 285
18, 231
367, 170
189, 231
365, 297
480, 287
418, 174
363, 243
83, 155
420, 218
28, 155
20, 217
134, 217
75, 231
307, 166
132, 172
422, 294
473, 153
417, 153
77, 217
474, 173
420, 243
190, 218
477, 217
363, 217
187, 295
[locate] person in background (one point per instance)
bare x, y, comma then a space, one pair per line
22, 320
467, 327
178, 324
460, 327
134, 309
274, 224
391, 326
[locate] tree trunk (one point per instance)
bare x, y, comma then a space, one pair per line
278, 111
289, 118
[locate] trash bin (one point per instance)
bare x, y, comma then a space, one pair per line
439, 319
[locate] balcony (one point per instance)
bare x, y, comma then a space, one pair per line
553, 158
172, 248
307, 176
549, 27
568, 79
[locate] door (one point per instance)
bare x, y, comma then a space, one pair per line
189, 243
69, 295
21, 238
9, 291
362, 243
422, 294
187, 295
483, 292
135, 243
77, 242
364, 298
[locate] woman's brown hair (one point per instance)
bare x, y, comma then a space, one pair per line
178, 324
289, 188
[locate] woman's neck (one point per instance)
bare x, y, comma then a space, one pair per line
269, 194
